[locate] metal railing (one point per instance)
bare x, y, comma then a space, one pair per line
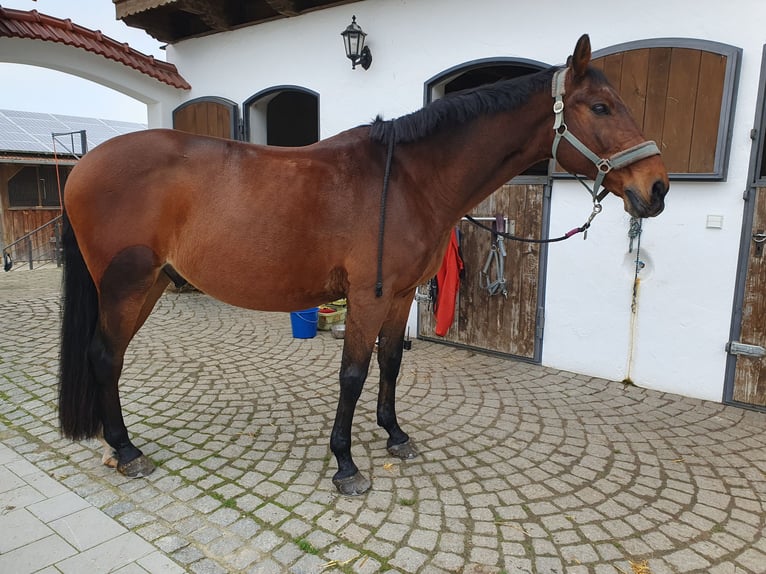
39, 247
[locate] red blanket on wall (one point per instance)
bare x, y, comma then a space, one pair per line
448, 281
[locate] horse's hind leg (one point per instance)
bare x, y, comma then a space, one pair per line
390, 346
127, 293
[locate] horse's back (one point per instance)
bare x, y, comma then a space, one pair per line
122, 163
139, 175
282, 219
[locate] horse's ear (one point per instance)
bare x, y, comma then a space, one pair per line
581, 57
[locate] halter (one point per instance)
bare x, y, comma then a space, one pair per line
603, 165
496, 258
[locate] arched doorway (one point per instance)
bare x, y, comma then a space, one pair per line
33, 39
512, 324
282, 115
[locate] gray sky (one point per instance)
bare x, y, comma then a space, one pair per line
33, 89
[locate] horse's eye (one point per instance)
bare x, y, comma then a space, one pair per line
600, 109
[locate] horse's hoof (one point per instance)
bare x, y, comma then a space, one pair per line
404, 451
139, 467
352, 485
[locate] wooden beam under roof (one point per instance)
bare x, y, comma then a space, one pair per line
285, 7
174, 20
211, 13
129, 7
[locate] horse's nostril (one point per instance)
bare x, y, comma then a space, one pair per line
659, 190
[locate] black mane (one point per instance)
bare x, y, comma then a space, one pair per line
460, 107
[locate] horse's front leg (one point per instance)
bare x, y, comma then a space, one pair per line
359, 340
390, 347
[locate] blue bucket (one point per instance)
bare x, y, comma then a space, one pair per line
304, 323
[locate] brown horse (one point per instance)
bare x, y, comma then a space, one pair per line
158, 205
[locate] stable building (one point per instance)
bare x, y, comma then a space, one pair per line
674, 303
37, 152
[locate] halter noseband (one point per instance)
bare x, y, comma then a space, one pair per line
603, 165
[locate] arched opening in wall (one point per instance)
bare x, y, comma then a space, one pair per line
509, 325
49, 91
475, 74
283, 116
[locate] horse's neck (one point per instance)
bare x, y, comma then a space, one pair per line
477, 159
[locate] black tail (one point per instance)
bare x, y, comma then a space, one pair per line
78, 413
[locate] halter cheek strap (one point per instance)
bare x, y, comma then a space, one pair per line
603, 165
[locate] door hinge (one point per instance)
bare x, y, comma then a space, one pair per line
540, 323
737, 348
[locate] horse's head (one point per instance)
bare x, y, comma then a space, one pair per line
603, 141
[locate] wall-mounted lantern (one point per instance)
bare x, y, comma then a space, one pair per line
356, 51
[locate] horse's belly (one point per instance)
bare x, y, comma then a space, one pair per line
265, 287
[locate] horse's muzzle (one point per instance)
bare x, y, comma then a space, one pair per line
637, 207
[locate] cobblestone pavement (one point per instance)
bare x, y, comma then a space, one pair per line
523, 469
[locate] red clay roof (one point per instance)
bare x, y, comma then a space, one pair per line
35, 26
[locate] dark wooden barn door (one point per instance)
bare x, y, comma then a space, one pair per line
509, 325
746, 366
749, 384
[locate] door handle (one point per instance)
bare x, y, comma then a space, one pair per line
759, 237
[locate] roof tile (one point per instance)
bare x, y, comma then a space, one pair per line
35, 26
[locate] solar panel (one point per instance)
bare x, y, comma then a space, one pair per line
30, 132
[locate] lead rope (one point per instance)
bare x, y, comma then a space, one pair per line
383, 197
582, 229
634, 232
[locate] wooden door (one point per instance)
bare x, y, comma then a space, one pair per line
749, 350
511, 325
207, 116
745, 382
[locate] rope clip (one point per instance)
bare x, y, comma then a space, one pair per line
597, 207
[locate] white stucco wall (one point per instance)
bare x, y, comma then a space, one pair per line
676, 342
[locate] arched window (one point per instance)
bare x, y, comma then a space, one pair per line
485, 71
681, 92
208, 116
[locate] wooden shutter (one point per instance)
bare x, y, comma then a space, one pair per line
207, 116
682, 97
